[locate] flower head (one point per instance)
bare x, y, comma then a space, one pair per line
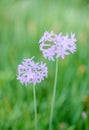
31, 72
84, 115
56, 45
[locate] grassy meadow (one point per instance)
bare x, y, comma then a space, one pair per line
22, 23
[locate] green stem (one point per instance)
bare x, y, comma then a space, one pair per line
53, 97
35, 109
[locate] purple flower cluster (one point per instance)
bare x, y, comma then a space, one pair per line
31, 72
52, 46
56, 45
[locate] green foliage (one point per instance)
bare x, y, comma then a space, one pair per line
22, 23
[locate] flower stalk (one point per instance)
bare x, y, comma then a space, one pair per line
35, 106
53, 97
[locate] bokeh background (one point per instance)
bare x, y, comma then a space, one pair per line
22, 23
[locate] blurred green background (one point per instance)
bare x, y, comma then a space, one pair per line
22, 23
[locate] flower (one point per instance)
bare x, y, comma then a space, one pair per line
84, 115
31, 72
56, 45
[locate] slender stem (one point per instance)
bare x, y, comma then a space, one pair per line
53, 97
35, 109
